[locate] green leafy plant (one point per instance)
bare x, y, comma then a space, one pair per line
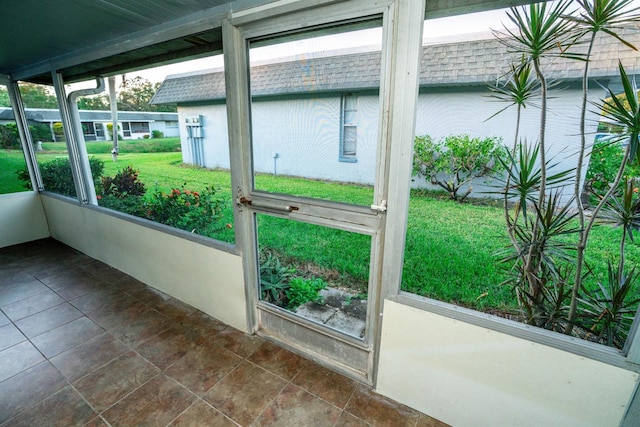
274, 278
302, 290
125, 183
608, 312
132, 205
9, 137
57, 177
156, 134
40, 132
603, 167
544, 255
193, 211
455, 161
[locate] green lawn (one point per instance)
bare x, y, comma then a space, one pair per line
10, 162
450, 249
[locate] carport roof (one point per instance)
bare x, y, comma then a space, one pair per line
52, 115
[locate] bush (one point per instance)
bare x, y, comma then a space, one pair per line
132, 205
156, 134
57, 177
125, 183
40, 132
603, 167
9, 137
455, 161
196, 212
58, 131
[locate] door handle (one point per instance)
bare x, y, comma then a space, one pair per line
264, 204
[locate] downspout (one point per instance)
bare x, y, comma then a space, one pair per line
78, 155
114, 117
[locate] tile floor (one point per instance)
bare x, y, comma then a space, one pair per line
84, 344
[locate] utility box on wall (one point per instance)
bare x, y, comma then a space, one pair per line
195, 136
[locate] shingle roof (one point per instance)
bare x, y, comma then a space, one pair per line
475, 62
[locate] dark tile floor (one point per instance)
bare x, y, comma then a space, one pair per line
84, 344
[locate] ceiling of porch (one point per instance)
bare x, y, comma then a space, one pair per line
86, 38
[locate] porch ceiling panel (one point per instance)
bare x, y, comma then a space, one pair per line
102, 37
34, 31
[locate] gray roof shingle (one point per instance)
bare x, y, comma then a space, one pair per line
475, 62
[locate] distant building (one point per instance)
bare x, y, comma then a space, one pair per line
132, 124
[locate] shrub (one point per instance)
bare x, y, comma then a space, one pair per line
58, 131
40, 132
603, 167
132, 205
57, 177
303, 290
156, 134
145, 136
455, 161
197, 212
125, 183
9, 137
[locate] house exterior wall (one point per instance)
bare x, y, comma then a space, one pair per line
214, 128
453, 112
305, 133
168, 131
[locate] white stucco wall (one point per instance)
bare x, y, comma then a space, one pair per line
468, 112
306, 135
214, 128
22, 218
306, 132
162, 127
209, 279
466, 375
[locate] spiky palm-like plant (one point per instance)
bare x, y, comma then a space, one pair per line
594, 17
540, 32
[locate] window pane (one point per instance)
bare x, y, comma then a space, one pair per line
41, 108
14, 176
460, 246
298, 114
350, 117
350, 138
350, 102
171, 168
327, 286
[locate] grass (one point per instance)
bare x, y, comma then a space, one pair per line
159, 145
10, 162
450, 247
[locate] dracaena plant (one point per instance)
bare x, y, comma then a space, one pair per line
548, 273
594, 17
